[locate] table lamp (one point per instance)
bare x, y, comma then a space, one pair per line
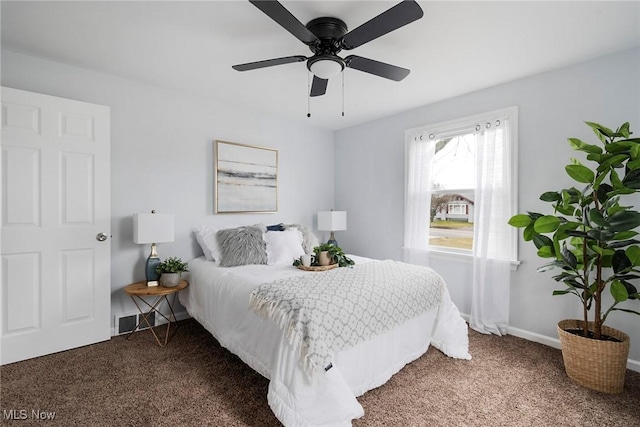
152, 228
332, 221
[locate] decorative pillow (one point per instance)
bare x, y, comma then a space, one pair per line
276, 227
283, 246
242, 246
206, 238
309, 240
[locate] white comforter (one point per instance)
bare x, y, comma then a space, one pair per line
218, 298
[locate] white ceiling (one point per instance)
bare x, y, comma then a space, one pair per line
456, 48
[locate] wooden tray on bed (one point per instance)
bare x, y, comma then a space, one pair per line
318, 267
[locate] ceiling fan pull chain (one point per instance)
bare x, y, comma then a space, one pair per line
309, 94
342, 93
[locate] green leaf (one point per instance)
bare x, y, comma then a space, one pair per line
618, 291
634, 164
603, 192
549, 266
580, 173
563, 276
620, 262
623, 130
632, 179
633, 253
623, 243
602, 251
597, 157
569, 258
564, 292
619, 147
546, 224
596, 217
550, 196
528, 232
623, 190
612, 161
520, 220
546, 252
541, 241
631, 290
578, 144
624, 220
615, 180
600, 235
577, 233
635, 152
601, 131
624, 235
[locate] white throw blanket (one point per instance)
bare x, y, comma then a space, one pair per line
334, 310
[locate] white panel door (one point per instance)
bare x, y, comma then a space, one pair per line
56, 286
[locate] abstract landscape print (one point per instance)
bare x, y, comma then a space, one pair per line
246, 178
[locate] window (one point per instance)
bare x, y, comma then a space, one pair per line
460, 188
452, 192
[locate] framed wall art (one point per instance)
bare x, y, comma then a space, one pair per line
246, 178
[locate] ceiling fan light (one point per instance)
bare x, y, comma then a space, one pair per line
326, 68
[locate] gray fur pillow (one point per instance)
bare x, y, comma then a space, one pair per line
309, 240
242, 246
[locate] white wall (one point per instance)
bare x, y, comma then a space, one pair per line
369, 174
162, 158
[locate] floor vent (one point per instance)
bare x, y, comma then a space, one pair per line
127, 323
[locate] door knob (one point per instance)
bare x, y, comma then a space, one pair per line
101, 237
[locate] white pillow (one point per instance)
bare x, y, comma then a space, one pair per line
283, 246
206, 238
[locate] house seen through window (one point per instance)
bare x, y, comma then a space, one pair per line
452, 192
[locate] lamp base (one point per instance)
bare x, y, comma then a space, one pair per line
150, 267
332, 240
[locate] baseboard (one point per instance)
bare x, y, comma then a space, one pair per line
633, 365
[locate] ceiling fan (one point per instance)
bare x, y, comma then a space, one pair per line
326, 37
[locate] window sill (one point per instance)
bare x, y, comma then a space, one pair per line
466, 257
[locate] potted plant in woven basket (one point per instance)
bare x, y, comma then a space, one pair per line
590, 239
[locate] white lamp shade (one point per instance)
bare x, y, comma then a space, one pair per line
332, 220
152, 228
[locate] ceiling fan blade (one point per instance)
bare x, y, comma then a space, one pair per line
398, 16
269, 63
377, 68
274, 10
318, 86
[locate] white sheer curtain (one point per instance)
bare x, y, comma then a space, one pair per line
494, 246
492, 235
418, 156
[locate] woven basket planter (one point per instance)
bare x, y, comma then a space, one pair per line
595, 364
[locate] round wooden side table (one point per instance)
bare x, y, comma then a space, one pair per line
139, 290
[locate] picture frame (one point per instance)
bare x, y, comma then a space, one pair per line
246, 178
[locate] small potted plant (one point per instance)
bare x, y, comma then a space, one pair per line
328, 253
590, 238
170, 271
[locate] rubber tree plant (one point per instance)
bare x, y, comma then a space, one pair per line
590, 236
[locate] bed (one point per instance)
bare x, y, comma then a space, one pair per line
231, 303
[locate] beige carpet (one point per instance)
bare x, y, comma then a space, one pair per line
195, 382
